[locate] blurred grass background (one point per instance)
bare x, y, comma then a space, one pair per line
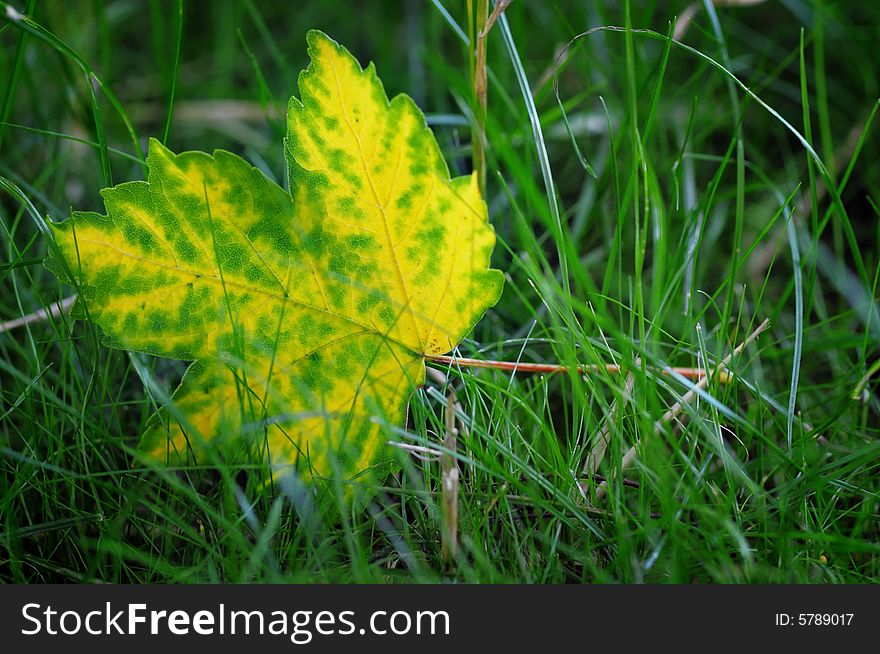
649, 211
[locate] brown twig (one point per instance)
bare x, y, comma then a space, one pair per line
552, 368
481, 84
500, 6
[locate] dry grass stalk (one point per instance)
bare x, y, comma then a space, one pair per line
674, 412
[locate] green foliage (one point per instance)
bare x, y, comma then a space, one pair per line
702, 208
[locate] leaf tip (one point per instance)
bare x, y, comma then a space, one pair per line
317, 41
156, 147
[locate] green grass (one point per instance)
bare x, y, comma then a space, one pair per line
650, 212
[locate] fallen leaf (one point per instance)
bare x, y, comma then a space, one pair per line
307, 315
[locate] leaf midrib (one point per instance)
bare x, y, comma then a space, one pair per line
408, 305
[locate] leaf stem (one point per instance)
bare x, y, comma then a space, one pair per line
689, 373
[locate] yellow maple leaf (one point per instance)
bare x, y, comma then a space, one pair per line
308, 315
